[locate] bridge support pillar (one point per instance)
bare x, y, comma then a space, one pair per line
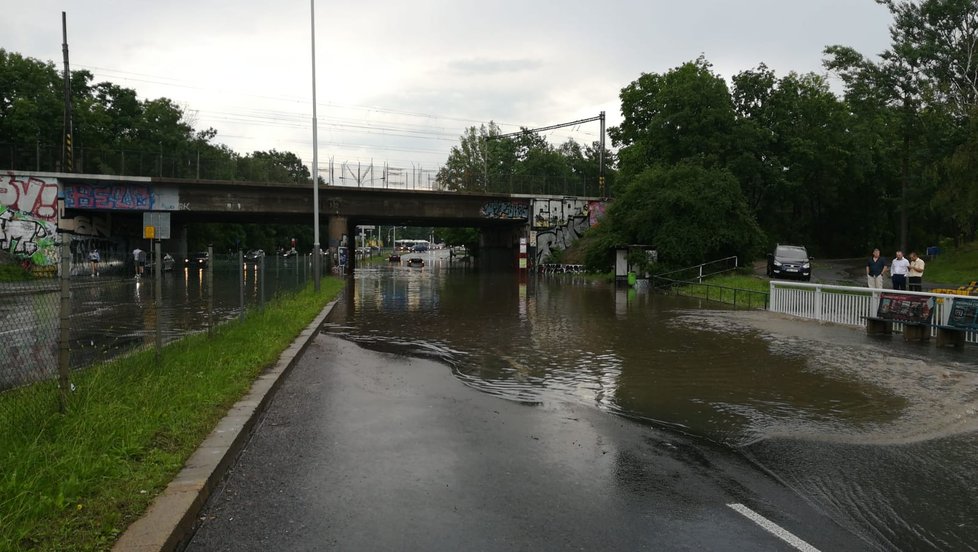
179, 241
337, 229
499, 246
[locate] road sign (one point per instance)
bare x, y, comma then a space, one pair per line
156, 225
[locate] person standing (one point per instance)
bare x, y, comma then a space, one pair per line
916, 273
899, 268
95, 258
875, 267
139, 258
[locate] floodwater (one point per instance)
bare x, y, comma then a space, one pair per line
879, 434
113, 315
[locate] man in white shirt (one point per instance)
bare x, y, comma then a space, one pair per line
899, 267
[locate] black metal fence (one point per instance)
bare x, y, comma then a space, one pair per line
209, 165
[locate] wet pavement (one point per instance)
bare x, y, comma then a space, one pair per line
555, 402
370, 451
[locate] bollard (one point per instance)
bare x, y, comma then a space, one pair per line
64, 326
261, 277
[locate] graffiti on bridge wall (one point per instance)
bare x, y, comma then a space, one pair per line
505, 210
550, 213
29, 194
121, 197
30, 240
559, 223
559, 238
84, 225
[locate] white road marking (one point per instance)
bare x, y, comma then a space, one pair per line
773, 528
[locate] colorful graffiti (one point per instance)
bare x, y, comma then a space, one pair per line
28, 239
131, 197
29, 194
596, 212
505, 210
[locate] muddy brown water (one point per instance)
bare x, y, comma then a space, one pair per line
879, 434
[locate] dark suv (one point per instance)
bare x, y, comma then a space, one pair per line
789, 261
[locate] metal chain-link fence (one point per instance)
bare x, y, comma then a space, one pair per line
51, 326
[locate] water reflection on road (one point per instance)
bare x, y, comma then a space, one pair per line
880, 434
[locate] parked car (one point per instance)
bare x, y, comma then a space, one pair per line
416, 261
196, 260
790, 261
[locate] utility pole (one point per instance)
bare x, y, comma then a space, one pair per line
67, 151
317, 261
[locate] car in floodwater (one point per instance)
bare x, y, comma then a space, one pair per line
416, 261
254, 255
394, 258
200, 259
789, 261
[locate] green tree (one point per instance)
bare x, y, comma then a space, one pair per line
690, 213
684, 115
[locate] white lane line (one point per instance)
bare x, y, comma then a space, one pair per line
773, 528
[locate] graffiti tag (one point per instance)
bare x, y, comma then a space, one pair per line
29, 195
505, 210
121, 197
28, 238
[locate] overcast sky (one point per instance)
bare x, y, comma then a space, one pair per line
399, 81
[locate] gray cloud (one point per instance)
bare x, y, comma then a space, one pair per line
483, 66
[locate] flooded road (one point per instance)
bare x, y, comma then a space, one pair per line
878, 434
113, 315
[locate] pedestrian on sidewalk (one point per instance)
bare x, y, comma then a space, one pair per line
916, 273
875, 267
899, 268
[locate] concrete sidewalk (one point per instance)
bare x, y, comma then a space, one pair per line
168, 524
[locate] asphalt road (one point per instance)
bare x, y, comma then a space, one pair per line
370, 451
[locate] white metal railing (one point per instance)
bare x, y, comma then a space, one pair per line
846, 305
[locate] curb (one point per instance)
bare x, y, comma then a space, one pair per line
168, 523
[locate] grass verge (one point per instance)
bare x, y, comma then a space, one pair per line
957, 266
729, 288
75, 481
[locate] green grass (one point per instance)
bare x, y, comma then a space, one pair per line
13, 273
75, 481
728, 288
957, 266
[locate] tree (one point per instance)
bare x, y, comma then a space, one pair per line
690, 213
929, 72
684, 115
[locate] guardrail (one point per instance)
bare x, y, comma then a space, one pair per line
845, 304
698, 272
738, 297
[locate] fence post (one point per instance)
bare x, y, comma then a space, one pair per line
241, 284
818, 303
158, 294
209, 278
64, 334
261, 276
